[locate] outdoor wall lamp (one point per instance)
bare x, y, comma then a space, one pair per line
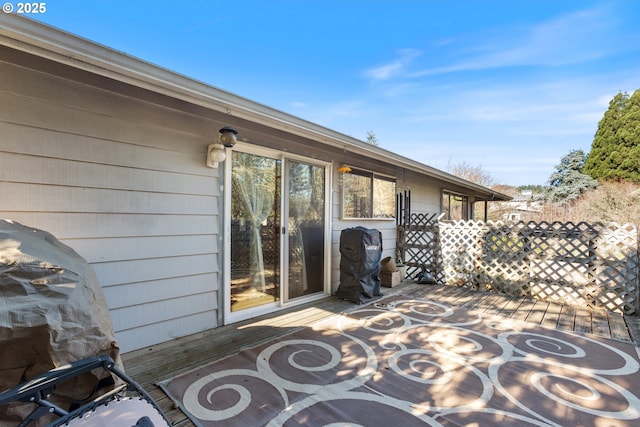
215, 155
216, 152
227, 136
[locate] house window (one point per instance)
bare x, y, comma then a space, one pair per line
480, 210
455, 206
368, 195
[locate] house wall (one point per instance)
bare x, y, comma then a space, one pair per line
425, 197
118, 173
426, 194
121, 179
387, 228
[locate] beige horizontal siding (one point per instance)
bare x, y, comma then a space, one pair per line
23, 138
34, 169
156, 312
134, 294
149, 334
123, 182
138, 270
69, 225
55, 198
79, 102
112, 249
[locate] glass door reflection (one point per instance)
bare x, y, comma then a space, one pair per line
255, 230
305, 229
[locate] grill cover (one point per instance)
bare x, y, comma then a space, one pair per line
360, 254
52, 312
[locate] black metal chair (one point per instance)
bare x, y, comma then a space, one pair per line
117, 399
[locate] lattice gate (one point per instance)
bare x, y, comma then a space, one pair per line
585, 264
419, 245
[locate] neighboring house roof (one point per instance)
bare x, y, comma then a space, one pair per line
42, 40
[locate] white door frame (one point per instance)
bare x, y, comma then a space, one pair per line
225, 284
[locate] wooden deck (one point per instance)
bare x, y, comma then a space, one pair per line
154, 364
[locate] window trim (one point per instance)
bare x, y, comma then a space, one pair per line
373, 176
467, 208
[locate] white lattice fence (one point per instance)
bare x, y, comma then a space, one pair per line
583, 264
483, 256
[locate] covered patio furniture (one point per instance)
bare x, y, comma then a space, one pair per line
116, 401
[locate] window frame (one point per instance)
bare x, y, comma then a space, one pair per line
446, 207
372, 200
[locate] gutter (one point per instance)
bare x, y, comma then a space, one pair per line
36, 38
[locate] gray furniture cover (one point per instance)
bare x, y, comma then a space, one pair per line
360, 255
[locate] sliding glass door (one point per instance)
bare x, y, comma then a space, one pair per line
255, 230
306, 229
277, 232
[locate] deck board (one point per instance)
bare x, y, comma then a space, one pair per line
600, 323
511, 307
157, 363
537, 312
567, 318
552, 315
624, 328
465, 297
583, 321
498, 303
524, 309
474, 300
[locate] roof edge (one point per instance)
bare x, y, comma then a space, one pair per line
42, 40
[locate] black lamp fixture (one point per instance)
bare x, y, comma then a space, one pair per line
216, 152
228, 136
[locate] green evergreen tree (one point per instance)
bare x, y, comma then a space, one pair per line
568, 182
615, 151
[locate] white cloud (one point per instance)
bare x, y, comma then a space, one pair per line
568, 39
394, 68
517, 122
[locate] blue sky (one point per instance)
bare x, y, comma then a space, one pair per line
511, 86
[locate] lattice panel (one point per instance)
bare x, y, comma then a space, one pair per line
461, 252
583, 264
418, 242
617, 272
